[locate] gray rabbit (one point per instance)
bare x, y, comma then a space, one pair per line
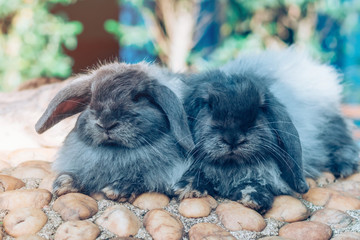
131, 136
263, 123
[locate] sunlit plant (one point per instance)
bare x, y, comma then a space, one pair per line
31, 41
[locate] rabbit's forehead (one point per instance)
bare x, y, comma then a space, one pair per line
236, 104
117, 86
233, 101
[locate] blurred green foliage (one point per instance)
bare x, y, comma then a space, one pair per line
31, 41
250, 25
127, 35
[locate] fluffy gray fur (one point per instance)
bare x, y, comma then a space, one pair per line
131, 137
263, 123
311, 92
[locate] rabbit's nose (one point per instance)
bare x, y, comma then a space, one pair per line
232, 140
107, 126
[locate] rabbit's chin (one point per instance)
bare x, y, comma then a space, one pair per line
111, 140
231, 158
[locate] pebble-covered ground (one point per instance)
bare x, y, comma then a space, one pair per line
28, 210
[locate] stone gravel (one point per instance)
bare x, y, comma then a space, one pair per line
272, 226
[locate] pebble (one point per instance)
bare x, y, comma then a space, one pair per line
350, 187
98, 196
347, 236
24, 221
120, 221
32, 169
325, 179
125, 238
195, 207
14, 199
306, 230
77, 230
236, 217
75, 206
273, 238
311, 182
29, 172
4, 165
10, 183
332, 217
151, 200
47, 182
354, 177
332, 199
209, 231
36, 163
288, 209
213, 203
163, 226
30, 237
28, 154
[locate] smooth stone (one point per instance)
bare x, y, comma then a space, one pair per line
311, 182
22, 198
273, 238
325, 179
4, 165
30, 237
28, 154
47, 182
98, 196
306, 230
354, 177
77, 230
120, 221
332, 217
236, 217
24, 221
75, 206
331, 199
209, 231
36, 163
8, 183
151, 200
162, 225
350, 187
213, 203
32, 169
288, 209
347, 236
125, 238
29, 172
194, 207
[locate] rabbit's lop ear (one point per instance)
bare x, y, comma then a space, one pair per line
70, 100
289, 159
175, 113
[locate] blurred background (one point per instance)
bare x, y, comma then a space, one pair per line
53, 39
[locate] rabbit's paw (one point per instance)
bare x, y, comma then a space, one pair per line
110, 192
64, 183
187, 190
256, 197
345, 162
121, 192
